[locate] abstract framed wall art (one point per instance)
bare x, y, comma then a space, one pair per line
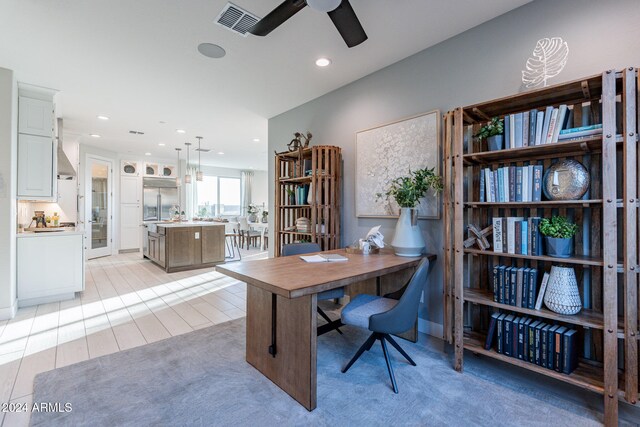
386, 152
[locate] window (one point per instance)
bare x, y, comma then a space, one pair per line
218, 196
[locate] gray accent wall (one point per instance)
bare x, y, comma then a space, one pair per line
482, 63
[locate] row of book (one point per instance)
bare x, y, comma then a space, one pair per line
534, 341
517, 235
518, 286
536, 127
511, 184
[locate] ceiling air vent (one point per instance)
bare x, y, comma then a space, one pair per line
136, 132
236, 19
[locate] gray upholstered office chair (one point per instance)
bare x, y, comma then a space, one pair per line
386, 316
305, 248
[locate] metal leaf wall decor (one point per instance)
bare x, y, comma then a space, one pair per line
548, 59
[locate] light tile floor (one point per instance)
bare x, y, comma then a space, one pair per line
127, 302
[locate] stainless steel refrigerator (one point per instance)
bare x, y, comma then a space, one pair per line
159, 195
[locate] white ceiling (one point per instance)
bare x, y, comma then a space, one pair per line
137, 62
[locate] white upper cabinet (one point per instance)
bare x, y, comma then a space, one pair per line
35, 117
130, 189
36, 167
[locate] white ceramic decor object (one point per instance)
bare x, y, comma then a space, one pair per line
562, 294
408, 240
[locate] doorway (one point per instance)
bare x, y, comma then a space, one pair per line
98, 209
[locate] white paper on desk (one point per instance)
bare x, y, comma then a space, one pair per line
375, 236
313, 258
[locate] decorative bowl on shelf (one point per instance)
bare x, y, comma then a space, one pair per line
565, 180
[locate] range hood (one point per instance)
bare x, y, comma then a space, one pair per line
65, 169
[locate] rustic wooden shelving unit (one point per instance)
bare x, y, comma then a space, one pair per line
322, 175
606, 246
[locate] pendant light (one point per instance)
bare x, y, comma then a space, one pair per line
178, 179
199, 175
187, 177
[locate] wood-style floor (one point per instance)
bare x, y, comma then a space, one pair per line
127, 302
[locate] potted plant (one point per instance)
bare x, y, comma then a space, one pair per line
558, 232
493, 133
265, 215
291, 193
407, 192
252, 210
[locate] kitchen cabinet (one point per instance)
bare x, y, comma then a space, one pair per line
130, 190
212, 250
50, 267
184, 246
36, 167
35, 116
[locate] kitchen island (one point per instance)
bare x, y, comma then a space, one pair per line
180, 246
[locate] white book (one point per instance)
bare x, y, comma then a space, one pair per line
512, 130
543, 288
324, 258
539, 126
505, 183
497, 234
511, 233
525, 183
488, 184
530, 187
562, 114
552, 126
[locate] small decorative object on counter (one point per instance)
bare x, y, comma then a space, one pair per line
298, 143
558, 232
493, 133
56, 219
562, 295
303, 225
40, 219
565, 180
265, 216
252, 210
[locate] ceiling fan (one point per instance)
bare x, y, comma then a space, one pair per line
340, 11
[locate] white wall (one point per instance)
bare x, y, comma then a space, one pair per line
260, 191
480, 64
8, 189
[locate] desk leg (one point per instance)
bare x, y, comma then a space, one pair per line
293, 368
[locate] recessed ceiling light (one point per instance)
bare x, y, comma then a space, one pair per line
103, 117
323, 62
256, 139
147, 154
181, 131
161, 144
221, 152
94, 135
211, 50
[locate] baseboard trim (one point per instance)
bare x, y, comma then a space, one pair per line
128, 251
9, 312
430, 328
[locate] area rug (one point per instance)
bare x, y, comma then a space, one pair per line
201, 378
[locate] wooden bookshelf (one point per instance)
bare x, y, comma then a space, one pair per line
319, 169
605, 248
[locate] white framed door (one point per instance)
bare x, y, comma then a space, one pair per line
98, 207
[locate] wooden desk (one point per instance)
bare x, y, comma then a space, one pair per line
281, 311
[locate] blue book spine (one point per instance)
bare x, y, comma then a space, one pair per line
533, 114
507, 284
496, 288
518, 183
521, 338
525, 237
507, 345
500, 185
537, 183
513, 281
533, 288
532, 341
501, 275
524, 303
500, 333
545, 126
518, 131
482, 190
570, 354
507, 134
512, 183
495, 185
580, 129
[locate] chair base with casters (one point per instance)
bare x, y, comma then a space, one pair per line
385, 316
306, 248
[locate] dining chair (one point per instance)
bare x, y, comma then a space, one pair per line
248, 235
305, 248
231, 239
385, 316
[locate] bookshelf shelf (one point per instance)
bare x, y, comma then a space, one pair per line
320, 190
608, 223
582, 260
585, 376
587, 318
540, 204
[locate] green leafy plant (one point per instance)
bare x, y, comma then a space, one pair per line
265, 214
290, 192
408, 190
558, 227
253, 209
494, 127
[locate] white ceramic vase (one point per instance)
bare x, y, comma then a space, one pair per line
408, 240
562, 294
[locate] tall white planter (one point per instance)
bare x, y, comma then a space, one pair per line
408, 240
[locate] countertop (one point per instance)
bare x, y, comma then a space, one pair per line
190, 224
65, 231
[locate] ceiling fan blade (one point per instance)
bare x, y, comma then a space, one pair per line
347, 23
277, 16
